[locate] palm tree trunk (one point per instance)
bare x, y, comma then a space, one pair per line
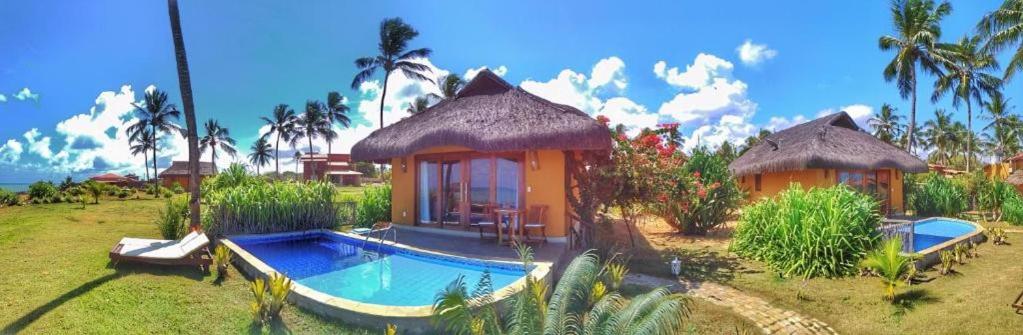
145, 164
156, 181
277, 155
312, 164
969, 133
213, 157
383, 97
912, 113
185, 82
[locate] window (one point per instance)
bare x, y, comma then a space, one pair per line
756, 182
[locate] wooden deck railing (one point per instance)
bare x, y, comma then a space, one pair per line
900, 229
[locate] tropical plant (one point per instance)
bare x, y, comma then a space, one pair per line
260, 154
221, 260
938, 196
311, 125
177, 188
460, 312
967, 78
822, 232
269, 298
191, 134
997, 236
940, 135
947, 262
419, 105
917, 26
298, 159
374, 206
141, 145
887, 125
336, 112
158, 116
216, 137
890, 265
713, 195
171, 219
992, 197
1012, 209
395, 35
255, 206
282, 125
42, 189
615, 274
94, 189
1002, 29
8, 198
449, 85
1004, 125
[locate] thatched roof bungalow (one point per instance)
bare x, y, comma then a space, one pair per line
825, 152
493, 146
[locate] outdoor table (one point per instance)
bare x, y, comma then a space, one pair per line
513, 223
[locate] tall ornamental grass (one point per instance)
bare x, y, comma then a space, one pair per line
242, 204
937, 195
374, 206
1012, 208
823, 232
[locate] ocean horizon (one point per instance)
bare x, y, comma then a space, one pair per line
15, 187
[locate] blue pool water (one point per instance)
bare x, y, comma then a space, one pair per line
931, 232
339, 266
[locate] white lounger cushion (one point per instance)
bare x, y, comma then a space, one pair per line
163, 249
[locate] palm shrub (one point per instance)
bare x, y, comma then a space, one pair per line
992, 196
890, 265
222, 259
269, 298
8, 198
93, 189
947, 262
258, 206
374, 206
823, 232
937, 195
996, 235
177, 188
171, 219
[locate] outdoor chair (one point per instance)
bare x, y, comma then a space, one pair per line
487, 222
1018, 305
536, 219
193, 249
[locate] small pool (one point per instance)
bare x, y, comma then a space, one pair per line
930, 232
349, 268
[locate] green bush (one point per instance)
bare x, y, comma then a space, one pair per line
263, 207
42, 190
716, 192
177, 188
374, 206
123, 193
937, 195
823, 232
171, 219
1012, 209
167, 194
8, 198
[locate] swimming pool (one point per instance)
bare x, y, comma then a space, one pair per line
347, 267
934, 231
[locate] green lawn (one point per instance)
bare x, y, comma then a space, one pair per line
974, 300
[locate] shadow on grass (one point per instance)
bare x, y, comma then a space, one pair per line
908, 301
275, 327
22, 322
187, 271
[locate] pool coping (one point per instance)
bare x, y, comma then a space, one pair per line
930, 255
315, 300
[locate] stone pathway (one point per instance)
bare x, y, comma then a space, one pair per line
770, 319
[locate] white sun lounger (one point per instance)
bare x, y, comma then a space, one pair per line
190, 250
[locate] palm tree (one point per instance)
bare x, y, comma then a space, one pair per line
890, 265
1004, 125
917, 30
282, 124
1002, 29
887, 125
337, 112
158, 116
311, 125
260, 153
297, 157
394, 37
419, 105
141, 145
966, 76
939, 135
449, 85
216, 137
185, 82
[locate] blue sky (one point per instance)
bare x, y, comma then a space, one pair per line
70, 70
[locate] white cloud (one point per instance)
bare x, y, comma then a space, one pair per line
26, 94
731, 128
708, 92
500, 71
3, 98
702, 72
753, 54
607, 71
11, 151
635, 117
38, 144
859, 112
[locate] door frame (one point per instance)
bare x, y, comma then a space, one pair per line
465, 158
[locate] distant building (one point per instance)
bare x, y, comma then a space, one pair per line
336, 168
116, 179
178, 173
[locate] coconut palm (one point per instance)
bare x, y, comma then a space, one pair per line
917, 30
260, 153
282, 125
887, 125
395, 35
185, 82
297, 157
1003, 28
890, 265
141, 145
1004, 125
966, 76
311, 125
580, 304
156, 115
939, 135
336, 112
419, 105
449, 85
216, 137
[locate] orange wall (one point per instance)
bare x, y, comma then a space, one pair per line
997, 171
774, 182
544, 185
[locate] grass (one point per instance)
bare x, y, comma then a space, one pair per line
975, 300
57, 279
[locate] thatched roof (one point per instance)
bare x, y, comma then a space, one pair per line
488, 115
830, 142
180, 168
1015, 178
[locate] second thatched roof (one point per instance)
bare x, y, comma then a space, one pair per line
830, 142
488, 115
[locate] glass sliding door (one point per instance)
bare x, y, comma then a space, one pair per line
451, 203
508, 180
463, 188
479, 189
429, 193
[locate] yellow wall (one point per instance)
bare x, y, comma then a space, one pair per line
774, 182
997, 171
544, 185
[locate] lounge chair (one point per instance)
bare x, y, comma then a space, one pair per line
1018, 305
193, 249
536, 219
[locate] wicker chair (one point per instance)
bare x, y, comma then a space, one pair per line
536, 219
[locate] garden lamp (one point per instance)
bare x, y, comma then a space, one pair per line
676, 266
